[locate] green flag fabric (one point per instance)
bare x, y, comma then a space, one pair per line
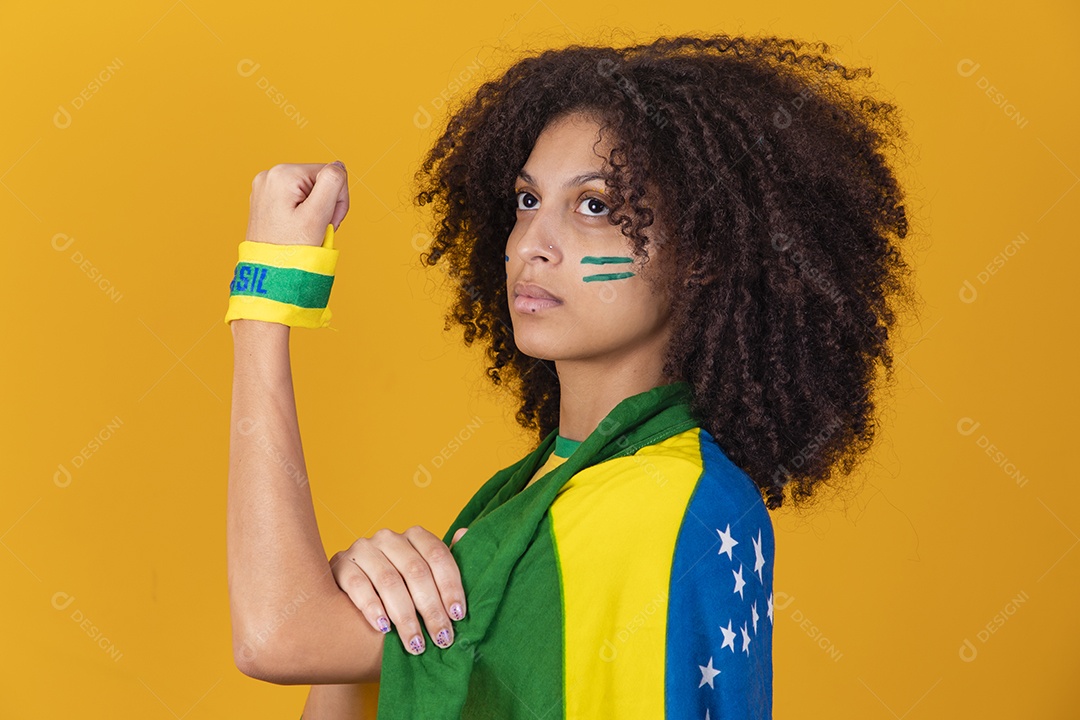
599, 590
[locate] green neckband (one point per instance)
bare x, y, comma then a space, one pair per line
565, 447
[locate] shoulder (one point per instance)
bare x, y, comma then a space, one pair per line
688, 471
724, 535
683, 497
678, 528
640, 498
719, 639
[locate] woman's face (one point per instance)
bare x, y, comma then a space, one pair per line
562, 242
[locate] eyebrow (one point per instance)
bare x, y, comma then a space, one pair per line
572, 182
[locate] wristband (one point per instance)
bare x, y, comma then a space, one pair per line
287, 284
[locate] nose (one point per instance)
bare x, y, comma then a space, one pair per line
536, 239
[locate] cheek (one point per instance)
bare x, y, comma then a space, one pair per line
603, 273
619, 299
616, 286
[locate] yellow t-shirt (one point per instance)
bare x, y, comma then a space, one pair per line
563, 449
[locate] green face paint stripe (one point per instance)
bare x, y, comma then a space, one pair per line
608, 276
593, 260
288, 285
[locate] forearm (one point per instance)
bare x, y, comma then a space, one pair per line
291, 623
342, 702
275, 558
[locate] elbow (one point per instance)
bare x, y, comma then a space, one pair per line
260, 655
266, 662
255, 659
304, 650
259, 644
275, 664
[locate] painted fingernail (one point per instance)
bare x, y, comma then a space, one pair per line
417, 645
456, 612
443, 638
384, 624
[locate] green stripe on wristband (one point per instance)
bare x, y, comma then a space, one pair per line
287, 285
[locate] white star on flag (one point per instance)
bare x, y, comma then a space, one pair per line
759, 562
742, 690
729, 636
727, 542
739, 582
707, 674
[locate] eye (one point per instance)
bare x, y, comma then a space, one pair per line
526, 200
595, 205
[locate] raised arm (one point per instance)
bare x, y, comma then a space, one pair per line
298, 618
291, 623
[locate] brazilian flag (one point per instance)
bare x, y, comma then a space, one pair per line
633, 579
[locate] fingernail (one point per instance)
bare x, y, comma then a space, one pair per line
417, 645
338, 163
384, 624
456, 612
443, 638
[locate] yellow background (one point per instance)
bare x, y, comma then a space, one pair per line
148, 176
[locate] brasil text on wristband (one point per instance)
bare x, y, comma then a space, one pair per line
287, 284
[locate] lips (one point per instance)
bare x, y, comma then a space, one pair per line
534, 291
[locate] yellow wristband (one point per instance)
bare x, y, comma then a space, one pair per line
287, 284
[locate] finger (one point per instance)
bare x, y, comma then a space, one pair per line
444, 569
419, 576
355, 583
405, 585
294, 182
329, 199
280, 211
341, 207
392, 591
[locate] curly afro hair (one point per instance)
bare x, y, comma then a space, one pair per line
770, 180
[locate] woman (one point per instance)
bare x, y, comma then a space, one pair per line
700, 266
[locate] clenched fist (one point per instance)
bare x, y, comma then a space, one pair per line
291, 204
